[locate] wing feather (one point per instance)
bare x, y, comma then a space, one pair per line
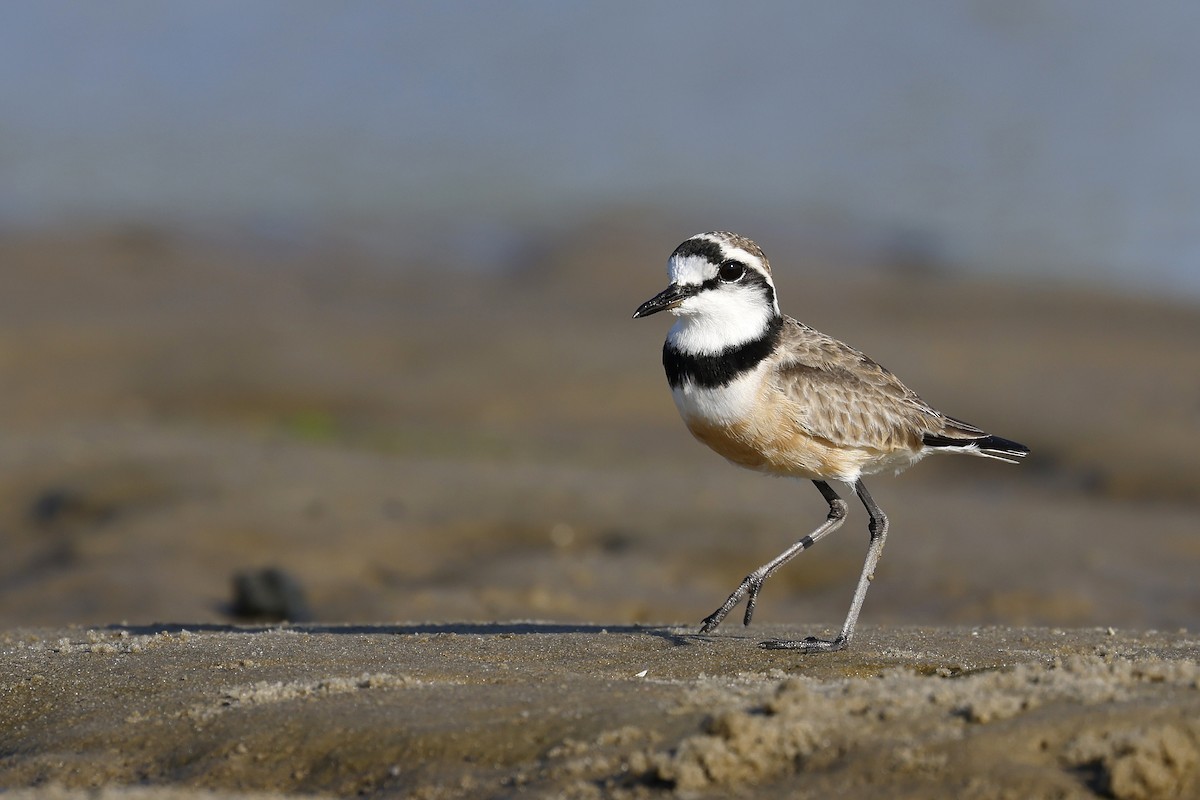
849, 400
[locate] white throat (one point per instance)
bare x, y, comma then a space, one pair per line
713, 321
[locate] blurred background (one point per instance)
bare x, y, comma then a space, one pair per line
323, 311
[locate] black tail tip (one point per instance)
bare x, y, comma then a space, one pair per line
993, 445
1001, 445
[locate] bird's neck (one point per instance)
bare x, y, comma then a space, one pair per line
697, 353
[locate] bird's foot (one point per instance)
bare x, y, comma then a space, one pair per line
809, 644
710, 623
751, 585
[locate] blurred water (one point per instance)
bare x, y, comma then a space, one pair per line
1043, 138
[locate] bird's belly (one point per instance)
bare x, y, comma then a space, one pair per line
758, 430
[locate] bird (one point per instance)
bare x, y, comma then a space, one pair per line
771, 394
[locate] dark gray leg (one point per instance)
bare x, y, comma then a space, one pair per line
878, 528
754, 581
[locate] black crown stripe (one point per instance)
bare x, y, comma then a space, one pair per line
708, 249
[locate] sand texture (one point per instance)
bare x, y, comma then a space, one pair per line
544, 709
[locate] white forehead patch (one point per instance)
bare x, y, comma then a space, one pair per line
687, 270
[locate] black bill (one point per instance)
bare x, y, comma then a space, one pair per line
668, 298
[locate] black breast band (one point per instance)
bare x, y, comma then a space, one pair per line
720, 369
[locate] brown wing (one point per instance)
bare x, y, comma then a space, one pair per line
846, 398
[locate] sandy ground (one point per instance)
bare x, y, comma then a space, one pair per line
546, 709
460, 449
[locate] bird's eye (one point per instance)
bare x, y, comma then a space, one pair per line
731, 271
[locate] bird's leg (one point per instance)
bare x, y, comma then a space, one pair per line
752, 584
878, 528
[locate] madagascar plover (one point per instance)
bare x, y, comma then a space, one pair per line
772, 394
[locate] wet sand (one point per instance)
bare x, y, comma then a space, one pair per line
546, 709
464, 449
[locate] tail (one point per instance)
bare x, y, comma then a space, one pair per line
966, 438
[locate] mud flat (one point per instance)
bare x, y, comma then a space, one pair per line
546, 709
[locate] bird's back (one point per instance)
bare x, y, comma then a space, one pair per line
843, 397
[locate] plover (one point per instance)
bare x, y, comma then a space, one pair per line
772, 394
